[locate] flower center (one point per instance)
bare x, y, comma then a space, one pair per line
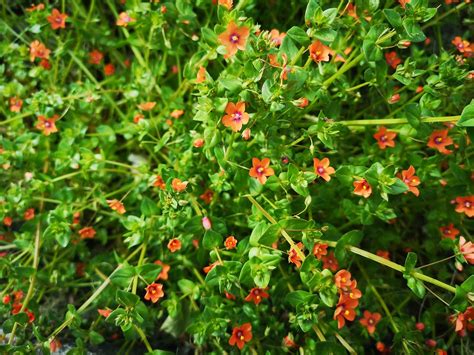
438, 140
320, 169
383, 138
47, 124
260, 170
234, 38
371, 321
237, 116
467, 204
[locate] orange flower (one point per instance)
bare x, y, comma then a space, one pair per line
164, 270
230, 242
159, 182
87, 233
393, 99
178, 185
322, 168
55, 345
38, 50
345, 310
385, 138
47, 125
370, 321
201, 75
45, 64
124, 19
293, 256
57, 19
109, 69
403, 2
241, 335
154, 292
207, 196
467, 250
362, 188
198, 143
392, 59
466, 205
29, 214
319, 250
104, 312
174, 245
35, 7
147, 106
235, 116
95, 57
116, 205
461, 44
383, 254
342, 279
318, 52
246, 134
409, 178
177, 113
138, 117
449, 231
463, 321
352, 11
261, 170
350, 291
208, 268
226, 3
234, 38
7, 221
439, 140
289, 342
330, 262
277, 37
256, 294
15, 104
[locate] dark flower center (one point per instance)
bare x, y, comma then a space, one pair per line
234, 38
237, 116
467, 204
260, 170
320, 169
438, 140
47, 124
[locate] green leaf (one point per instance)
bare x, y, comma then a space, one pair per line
467, 116
311, 10
296, 297
211, 239
397, 187
413, 30
325, 34
148, 207
393, 17
329, 348
258, 231
126, 299
123, 276
186, 286
413, 114
149, 272
464, 295
299, 35
416, 286
410, 262
350, 238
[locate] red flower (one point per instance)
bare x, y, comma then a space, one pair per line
277, 37
177, 113
174, 245
45, 64
154, 292
439, 140
95, 57
394, 99
449, 231
229, 296
208, 268
289, 342
342, 279
241, 335
55, 345
463, 321
38, 50
15, 104
164, 270
198, 143
392, 59
147, 106
370, 321
6, 299
104, 312
330, 262
345, 310
318, 52
230, 242
234, 38
409, 178
47, 125
178, 185
350, 291
159, 182
362, 188
35, 7
57, 19
256, 294
467, 250
260, 169
403, 3
124, 19
383, 254
461, 44
235, 116
385, 138
201, 75
116, 205
87, 233
109, 69
322, 168
293, 256
207, 196
246, 134
319, 250
29, 214
466, 205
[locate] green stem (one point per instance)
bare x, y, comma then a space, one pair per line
390, 121
144, 338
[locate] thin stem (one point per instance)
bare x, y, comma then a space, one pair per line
390, 121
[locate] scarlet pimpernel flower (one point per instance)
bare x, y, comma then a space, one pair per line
87, 233
370, 321
320, 250
439, 140
465, 205
174, 245
230, 242
154, 292
47, 125
96, 57
318, 52
57, 19
256, 295
240, 335
385, 138
261, 169
15, 104
234, 38
178, 185
330, 262
124, 19
449, 231
116, 205
322, 168
235, 116
362, 188
165, 268
38, 50
411, 180
392, 59
293, 256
